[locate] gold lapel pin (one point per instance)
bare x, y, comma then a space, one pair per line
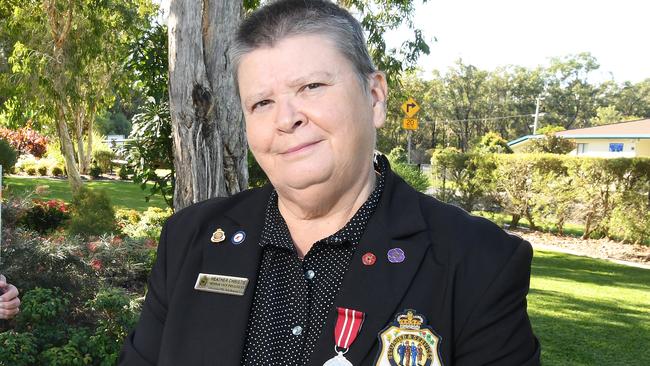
218, 236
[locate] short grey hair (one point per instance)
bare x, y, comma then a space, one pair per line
281, 19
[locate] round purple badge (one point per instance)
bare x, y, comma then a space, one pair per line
396, 255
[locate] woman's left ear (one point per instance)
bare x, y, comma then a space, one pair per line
379, 94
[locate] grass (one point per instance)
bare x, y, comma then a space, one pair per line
122, 194
588, 311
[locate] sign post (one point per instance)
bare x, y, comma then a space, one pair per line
410, 109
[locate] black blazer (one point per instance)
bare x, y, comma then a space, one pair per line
466, 275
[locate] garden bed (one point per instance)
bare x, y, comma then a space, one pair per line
594, 248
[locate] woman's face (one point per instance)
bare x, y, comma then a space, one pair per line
308, 121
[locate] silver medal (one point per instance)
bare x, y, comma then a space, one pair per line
338, 360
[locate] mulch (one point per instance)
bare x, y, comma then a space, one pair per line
595, 248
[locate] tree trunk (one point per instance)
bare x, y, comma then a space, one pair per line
89, 128
207, 122
79, 128
67, 150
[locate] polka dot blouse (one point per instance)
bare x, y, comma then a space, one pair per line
293, 296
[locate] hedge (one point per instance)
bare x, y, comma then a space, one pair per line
610, 197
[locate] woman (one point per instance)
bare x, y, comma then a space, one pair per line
338, 260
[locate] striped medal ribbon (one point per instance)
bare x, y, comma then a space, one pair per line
348, 325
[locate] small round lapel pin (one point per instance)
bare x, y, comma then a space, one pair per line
238, 237
368, 259
218, 236
396, 255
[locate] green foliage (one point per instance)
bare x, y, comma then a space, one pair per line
123, 173
41, 306
256, 176
103, 159
462, 178
493, 143
411, 174
17, 349
113, 124
92, 213
46, 216
152, 150
95, 171
397, 156
149, 61
67, 355
145, 225
42, 170
550, 143
8, 156
31, 171
57, 171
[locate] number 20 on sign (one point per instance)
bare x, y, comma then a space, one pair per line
410, 123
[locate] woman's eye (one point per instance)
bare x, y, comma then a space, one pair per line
261, 104
313, 86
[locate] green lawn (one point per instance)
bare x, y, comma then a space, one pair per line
589, 312
122, 194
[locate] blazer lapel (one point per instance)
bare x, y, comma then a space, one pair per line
227, 315
378, 289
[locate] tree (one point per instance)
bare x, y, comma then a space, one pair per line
68, 55
551, 143
207, 123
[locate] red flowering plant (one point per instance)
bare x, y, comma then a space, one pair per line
46, 216
25, 141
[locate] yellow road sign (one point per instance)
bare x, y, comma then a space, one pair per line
410, 107
410, 123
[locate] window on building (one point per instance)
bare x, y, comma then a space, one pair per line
616, 147
582, 148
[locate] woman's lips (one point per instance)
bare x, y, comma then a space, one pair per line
300, 147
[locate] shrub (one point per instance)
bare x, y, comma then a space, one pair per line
95, 171
554, 195
41, 306
92, 214
148, 225
103, 159
410, 173
493, 143
514, 186
25, 141
42, 313
17, 349
8, 156
42, 170
25, 162
550, 143
123, 173
67, 355
31, 171
46, 216
463, 178
57, 171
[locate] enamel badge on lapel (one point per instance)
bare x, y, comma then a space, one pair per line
218, 236
408, 341
238, 237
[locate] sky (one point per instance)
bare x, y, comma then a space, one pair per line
493, 33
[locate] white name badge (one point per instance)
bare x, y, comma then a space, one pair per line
221, 284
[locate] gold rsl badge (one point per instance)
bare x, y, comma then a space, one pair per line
409, 342
218, 236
